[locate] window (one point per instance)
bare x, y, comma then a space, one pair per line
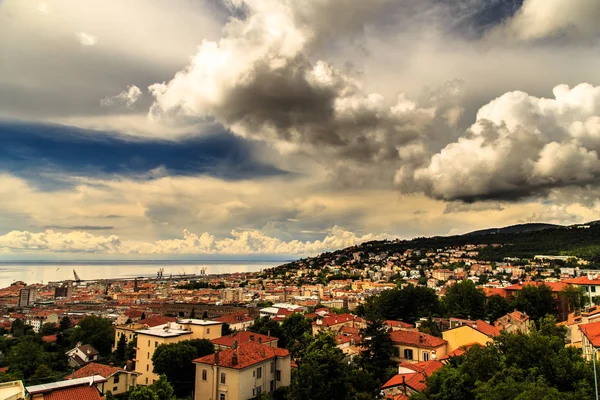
203, 374
223, 378
207, 330
146, 381
116, 379
258, 372
222, 396
256, 391
408, 354
115, 388
396, 352
278, 375
594, 289
155, 344
273, 367
271, 386
148, 355
425, 356
147, 369
148, 343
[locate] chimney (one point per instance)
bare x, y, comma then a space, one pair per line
234, 359
475, 325
217, 357
252, 338
129, 365
269, 333
420, 338
404, 384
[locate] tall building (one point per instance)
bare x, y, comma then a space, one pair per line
27, 297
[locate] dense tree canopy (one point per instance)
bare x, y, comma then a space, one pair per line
407, 304
96, 331
465, 300
535, 300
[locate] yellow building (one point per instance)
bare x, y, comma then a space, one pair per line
149, 339
128, 330
118, 380
242, 373
414, 347
472, 332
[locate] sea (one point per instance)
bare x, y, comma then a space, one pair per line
50, 271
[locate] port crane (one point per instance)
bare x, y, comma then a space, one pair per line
77, 278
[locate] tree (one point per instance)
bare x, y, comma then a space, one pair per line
48, 329
193, 313
25, 357
266, 326
163, 389
293, 329
430, 327
464, 300
407, 304
496, 306
121, 349
65, 323
226, 329
96, 331
175, 362
130, 349
576, 297
322, 374
17, 328
375, 358
535, 301
143, 393
44, 374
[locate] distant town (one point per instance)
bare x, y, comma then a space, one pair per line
248, 320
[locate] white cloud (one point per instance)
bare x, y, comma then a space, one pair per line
519, 144
240, 242
44, 8
127, 97
85, 39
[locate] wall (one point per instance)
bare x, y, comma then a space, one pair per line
464, 335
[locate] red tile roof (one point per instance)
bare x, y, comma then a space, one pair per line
417, 339
335, 319
399, 324
49, 339
592, 332
487, 329
248, 354
416, 380
582, 280
555, 286
492, 291
92, 369
156, 320
243, 337
234, 318
78, 392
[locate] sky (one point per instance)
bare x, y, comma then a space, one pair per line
283, 128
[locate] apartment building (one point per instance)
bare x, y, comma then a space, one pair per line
149, 339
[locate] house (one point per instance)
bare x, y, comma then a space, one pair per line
81, 355
590, 284
471, 332
515, 321
149, 339
590, 343
411, 378
242, 373
332, 323
442, 274
413, 347
236, 321
578, 318
228, 341
89, 388
562, 303
399, 325
118, 380
12, 391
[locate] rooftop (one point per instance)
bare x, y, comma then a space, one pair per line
48, 387
417, 339
92, 369
243, 337
246, 355
192, 321
592, 332
163, 331
79, 393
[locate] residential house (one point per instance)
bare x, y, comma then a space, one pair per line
242, 373
590, 284
149, 339
399, 325
81, 355
471, 332
12, 391
590, 344
118, 380
442, 274
332, 323
228, 341
413, 346
561, 301
88, 388
515, 321
411, 378
237, 321
575, 320
128, 330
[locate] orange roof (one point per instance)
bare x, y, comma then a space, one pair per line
425, 367
398, 324
492, 291
248, 354
487, 329
156, 320
582, 280
92, 369
243, 337
459, 351
417, 339
334, 319
78, 392
555, 286
234, 318
416, 380
592, 332
49, 338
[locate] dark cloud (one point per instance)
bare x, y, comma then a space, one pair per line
30, 149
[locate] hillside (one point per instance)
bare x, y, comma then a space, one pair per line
519, 241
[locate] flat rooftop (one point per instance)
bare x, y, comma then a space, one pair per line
192, 321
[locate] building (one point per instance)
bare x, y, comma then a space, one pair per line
561, 301
27, 297
228, 341
242, 373
236, 321
128, 330
81, 355
89, 388
471, 332
413, 347
12, 391
118, 380
515, 321
590, 284
64, 291
590, 344
411, 378
149, 339
332, 323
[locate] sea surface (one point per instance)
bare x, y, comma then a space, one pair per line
44, 272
